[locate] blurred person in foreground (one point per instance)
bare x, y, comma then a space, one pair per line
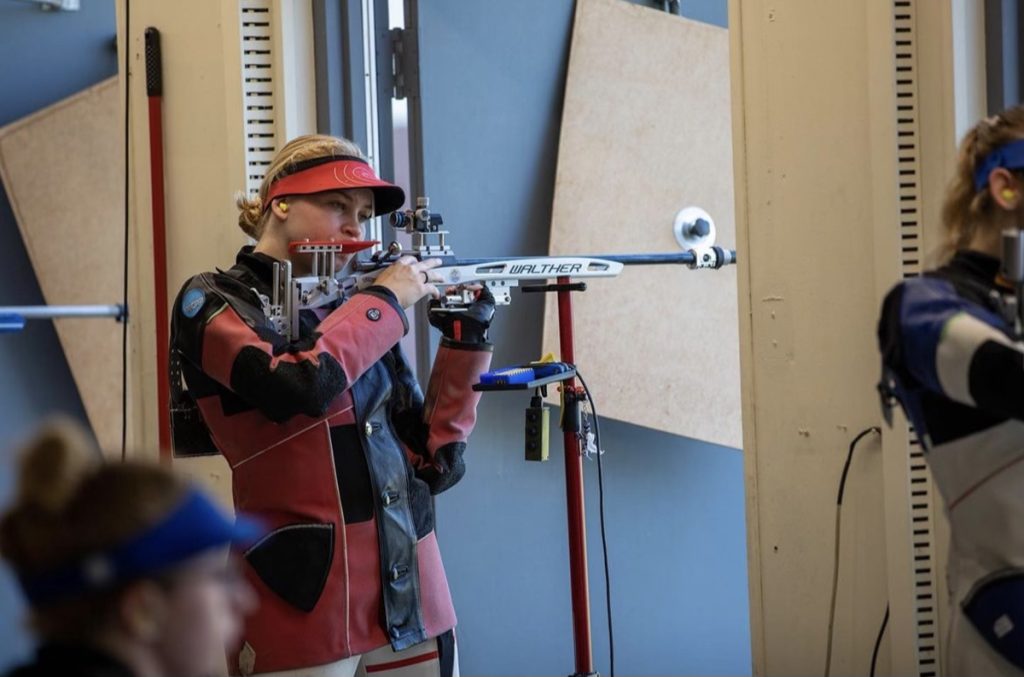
125, 566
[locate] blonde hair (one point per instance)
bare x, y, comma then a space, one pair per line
68, 504
251, 217
965, 210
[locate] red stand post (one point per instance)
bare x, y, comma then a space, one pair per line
574, 498
154, 91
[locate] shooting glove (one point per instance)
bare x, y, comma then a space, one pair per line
468, 326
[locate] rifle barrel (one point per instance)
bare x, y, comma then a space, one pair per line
683, 258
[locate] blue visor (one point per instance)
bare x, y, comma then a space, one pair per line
194, 526
1010, 156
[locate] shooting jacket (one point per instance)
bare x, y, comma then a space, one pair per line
950, 354
331, 443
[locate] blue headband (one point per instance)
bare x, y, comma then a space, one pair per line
1010, 156
194, 526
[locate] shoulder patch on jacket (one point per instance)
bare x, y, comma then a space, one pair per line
192, 302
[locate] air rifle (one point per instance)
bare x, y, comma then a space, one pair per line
325, 286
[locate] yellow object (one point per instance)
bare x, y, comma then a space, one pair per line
548, 357
1009, 194
283, 206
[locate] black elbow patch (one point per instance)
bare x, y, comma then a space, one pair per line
290, 388
997, 379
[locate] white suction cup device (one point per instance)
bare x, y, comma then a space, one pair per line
694, 227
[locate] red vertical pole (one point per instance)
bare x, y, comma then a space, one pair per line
574, 500
154, 92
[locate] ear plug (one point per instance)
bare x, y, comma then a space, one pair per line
283, 206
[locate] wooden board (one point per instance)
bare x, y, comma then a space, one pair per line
63, 169
646, 131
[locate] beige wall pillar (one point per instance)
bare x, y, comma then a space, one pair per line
832, 171
207, 155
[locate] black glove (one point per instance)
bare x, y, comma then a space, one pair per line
465, 326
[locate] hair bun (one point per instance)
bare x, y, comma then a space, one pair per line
250, 213
54, 463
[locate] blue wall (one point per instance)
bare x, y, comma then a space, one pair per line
47, 56
492, 85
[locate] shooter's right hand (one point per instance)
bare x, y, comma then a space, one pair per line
410, 280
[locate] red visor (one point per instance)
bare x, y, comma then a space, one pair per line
338, 174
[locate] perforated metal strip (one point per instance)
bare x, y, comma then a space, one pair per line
258, 89
920, 490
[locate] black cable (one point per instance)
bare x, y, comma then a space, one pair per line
849, 457
878, 640
835, 567
127, 216
604, 539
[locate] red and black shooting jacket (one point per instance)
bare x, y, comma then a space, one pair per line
333, 445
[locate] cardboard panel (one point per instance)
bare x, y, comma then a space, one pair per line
63, 169
646, 131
